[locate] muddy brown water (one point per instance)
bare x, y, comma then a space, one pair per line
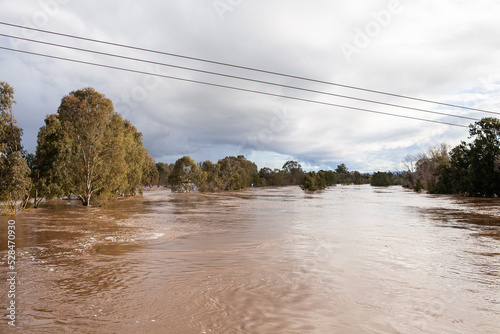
351, 259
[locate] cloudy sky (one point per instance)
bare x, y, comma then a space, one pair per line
446, 51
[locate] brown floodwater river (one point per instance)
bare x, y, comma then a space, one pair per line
350, 259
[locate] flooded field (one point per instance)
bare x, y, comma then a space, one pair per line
350, 259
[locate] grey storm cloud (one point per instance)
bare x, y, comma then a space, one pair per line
444, 51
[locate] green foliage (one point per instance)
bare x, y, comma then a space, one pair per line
330, 178
152, 177
322, 179
293, 173
86, 118
422, 173
446, 184
358, 178
384, 179
10, 133
341, 169
14, 171
236, 173
185, 175
163, 173
89, 151
314, 181
418, 186
473, 167
137, 164
230, 173
343, 175
484, 178
208, 180
272, 178
47, 168
6, 97
381, 179
14, 183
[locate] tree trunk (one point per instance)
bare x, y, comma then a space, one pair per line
86, 201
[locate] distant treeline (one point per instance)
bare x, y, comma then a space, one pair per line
235, 173
230, 173
470, 169
320, 180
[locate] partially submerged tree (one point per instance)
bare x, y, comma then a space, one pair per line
293, 172
343, 175
314, 181
184, 175
88, 150
86, 116
163, 173
381, 179
473, 167
236, 173
14, 171
47, 167
14, 182
426, 173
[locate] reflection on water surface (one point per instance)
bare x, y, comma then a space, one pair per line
351, 259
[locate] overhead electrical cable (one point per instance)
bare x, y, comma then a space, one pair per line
237, 77
249, 68
232, 87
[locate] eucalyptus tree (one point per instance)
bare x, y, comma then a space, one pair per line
47, 165
185, 174
14, 171
89, 151
163, 173
235, 173
294, 173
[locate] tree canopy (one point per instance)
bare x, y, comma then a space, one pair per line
230, 173
10, 133
184, 175
381, 179
473, 168
89, 151
15, 182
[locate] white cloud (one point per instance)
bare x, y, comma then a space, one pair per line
446, 51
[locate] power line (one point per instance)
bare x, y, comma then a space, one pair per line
249, 68
231, 87
238, 77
